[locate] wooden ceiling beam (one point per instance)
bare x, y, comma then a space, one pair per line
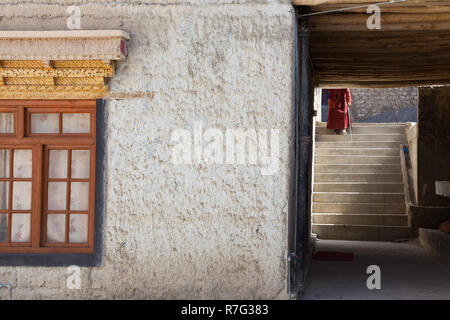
416, 26
366, 43
389, 22
389, 74
321, 69
412, 48
360, 49
396, 9
388, 59
361, 77
389, 18
348, 3
367, 34
332, 2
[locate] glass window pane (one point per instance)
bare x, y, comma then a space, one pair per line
4, 195
6, 122
57, 195
21, 195
76, 123
3, 227
57, 167
20, 227
44, 123
80, 164
4, 163
56, 227
79, 196
23, 164
78, 228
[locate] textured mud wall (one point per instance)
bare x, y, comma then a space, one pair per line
411, 137
182, 231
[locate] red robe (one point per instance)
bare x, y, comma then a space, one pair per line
338, 102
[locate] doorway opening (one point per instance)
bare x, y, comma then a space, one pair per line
363, 188
365, 196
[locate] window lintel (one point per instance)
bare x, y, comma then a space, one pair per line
59, 64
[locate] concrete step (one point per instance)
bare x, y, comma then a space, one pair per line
358, 187
358, 129
361, 219
360, 232
345, 160
358, 177
357, 168
357, 144
357, 151
360, 208
393, 137
358, 197
358, 183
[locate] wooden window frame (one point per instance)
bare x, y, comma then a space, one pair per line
40, 145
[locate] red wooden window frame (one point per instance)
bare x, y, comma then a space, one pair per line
40, 144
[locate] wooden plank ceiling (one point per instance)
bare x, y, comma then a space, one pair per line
412, 48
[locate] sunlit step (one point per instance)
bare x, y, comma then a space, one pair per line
360, 137
361, 219
357, 168
356, 159
358, 129
358, 187
358, 144
361, 208
357, 151
358, 177
361, 232
358, 197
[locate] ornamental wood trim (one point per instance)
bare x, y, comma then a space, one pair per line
59, 64
68, 79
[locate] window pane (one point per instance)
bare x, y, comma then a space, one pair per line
57, 195
57, 167
20, 227
78, 228
3, 227
4, 187
21, 195
56, 227
76, 123
79, 195
23, 164
44, 123
4, 163
6, 122
80, 164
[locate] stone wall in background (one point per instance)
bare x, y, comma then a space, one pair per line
367, 103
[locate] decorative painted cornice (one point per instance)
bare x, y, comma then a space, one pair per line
59, 64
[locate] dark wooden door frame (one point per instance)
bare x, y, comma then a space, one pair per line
299, 224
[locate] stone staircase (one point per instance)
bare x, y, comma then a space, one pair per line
358, 191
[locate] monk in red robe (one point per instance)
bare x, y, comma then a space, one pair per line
338, 102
